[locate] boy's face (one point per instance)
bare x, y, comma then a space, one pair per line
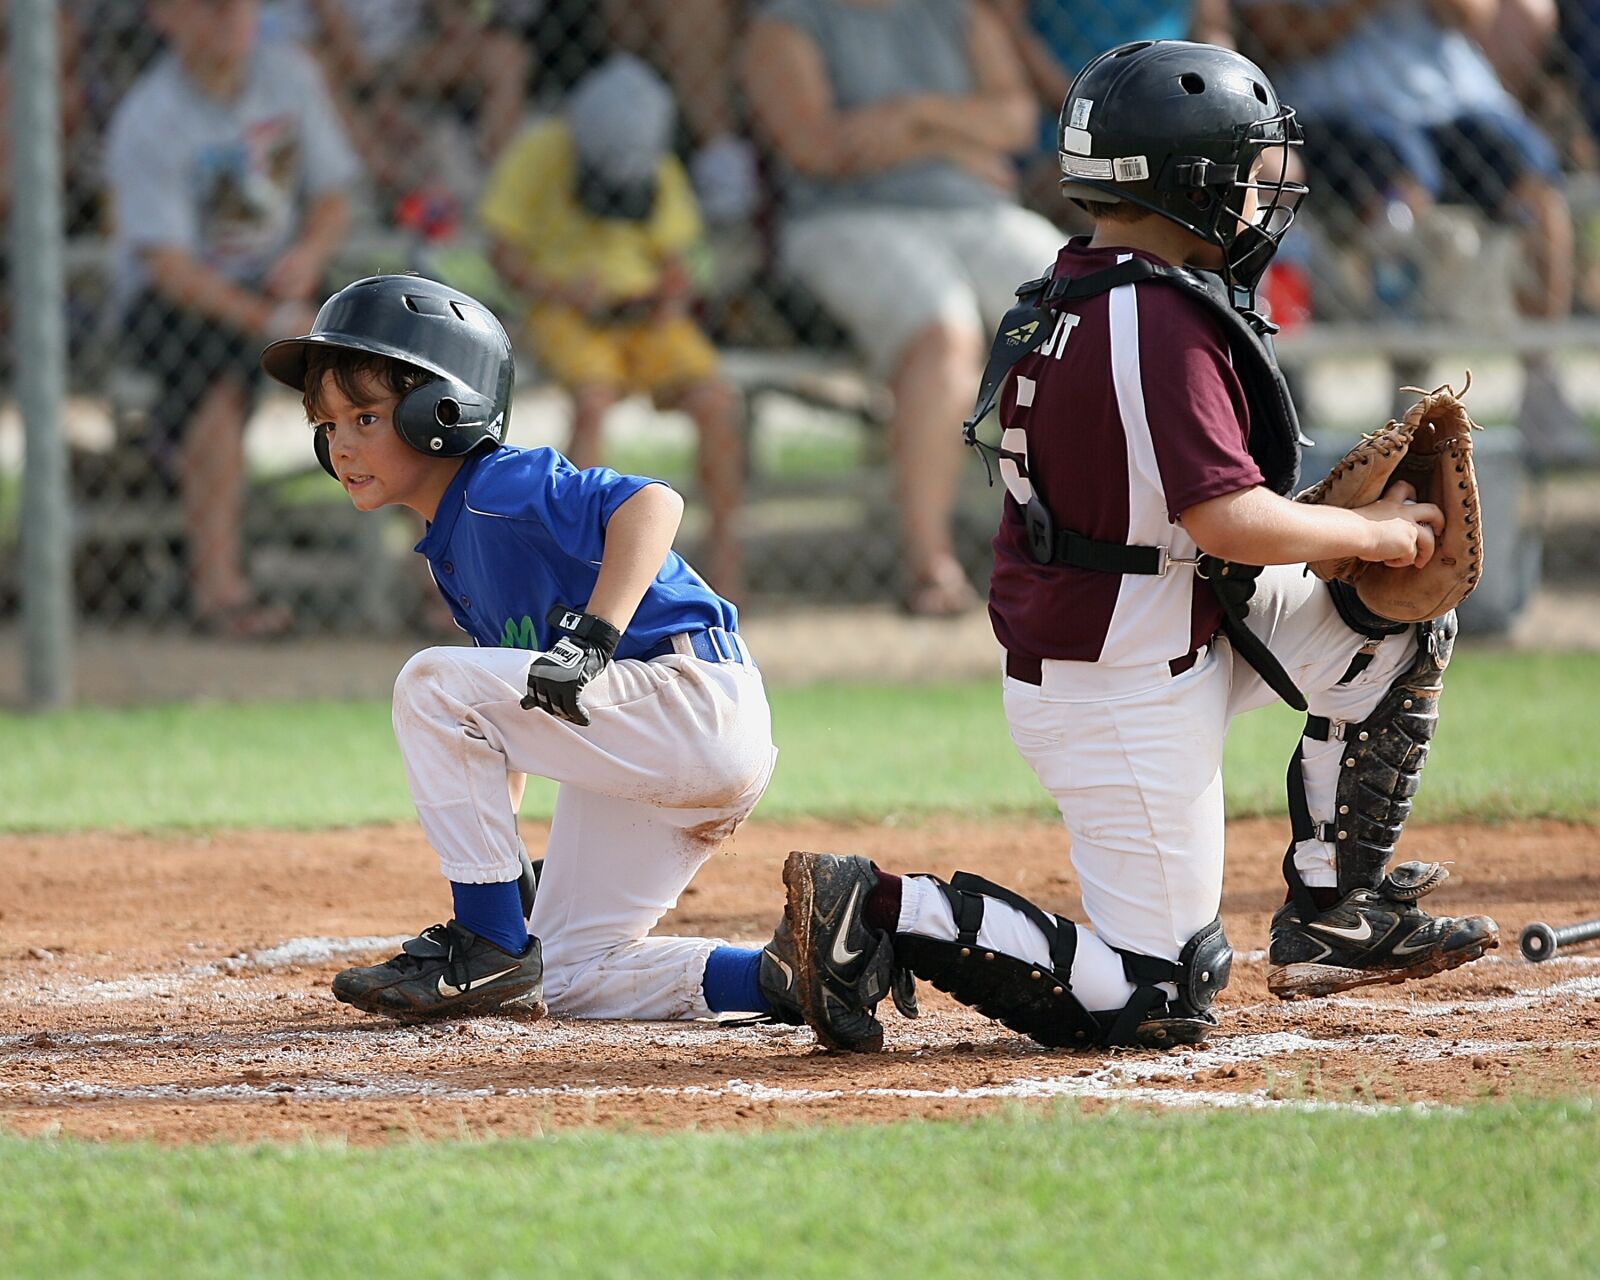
218, 32
376, 467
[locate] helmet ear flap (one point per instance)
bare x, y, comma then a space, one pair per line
446, 418
319, 442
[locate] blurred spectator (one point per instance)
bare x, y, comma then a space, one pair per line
1055, 38
1516, 36
229, 176
590, 216
401, 69
1402, 110
895, 122
1580, 22
693, 43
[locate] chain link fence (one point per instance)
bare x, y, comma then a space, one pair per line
754, 248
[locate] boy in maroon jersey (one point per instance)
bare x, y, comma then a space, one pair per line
1149, 449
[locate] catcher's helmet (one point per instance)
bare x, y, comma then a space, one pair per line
1177, 128
433, 327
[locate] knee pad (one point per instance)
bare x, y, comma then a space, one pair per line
1037, 1000
1380, 768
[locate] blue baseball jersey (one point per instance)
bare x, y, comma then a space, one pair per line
521, 530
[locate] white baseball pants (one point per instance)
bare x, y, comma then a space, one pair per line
1133, 758
679, 751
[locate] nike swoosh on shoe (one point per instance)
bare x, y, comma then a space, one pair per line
449, 992
841, 954
1354, 934
788, 973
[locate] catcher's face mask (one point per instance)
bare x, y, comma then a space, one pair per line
1192, 132
1258, 210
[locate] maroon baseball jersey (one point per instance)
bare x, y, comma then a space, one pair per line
1128, 414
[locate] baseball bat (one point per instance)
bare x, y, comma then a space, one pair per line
1539, 941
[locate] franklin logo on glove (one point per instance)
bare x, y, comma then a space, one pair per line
557, 678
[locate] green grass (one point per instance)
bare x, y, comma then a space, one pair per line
1515, 743
1061, 1193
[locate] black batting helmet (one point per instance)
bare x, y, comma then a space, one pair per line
1176, 128
440, 330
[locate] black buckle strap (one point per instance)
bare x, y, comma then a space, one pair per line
1145, 972
1246, 643
1301, 827
1051, 546
1067, 289
967, 908
1063, 941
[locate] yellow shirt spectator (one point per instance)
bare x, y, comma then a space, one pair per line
531, 203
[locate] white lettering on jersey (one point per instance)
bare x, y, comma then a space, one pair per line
1057, 342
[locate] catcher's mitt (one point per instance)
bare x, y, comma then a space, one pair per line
1432, 451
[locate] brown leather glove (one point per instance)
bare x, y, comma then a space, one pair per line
1432, 451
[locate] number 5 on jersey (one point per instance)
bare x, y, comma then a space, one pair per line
1014, 439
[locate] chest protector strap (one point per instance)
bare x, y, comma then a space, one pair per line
1274, 439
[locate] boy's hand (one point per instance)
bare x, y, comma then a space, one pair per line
1412, 481
556, 679
1404, 530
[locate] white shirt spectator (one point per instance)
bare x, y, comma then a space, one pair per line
225, 181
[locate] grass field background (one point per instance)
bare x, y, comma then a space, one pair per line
1488, 1190
1516, 742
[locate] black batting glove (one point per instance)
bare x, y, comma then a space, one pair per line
557, 677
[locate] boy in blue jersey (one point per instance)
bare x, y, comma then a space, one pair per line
603, 662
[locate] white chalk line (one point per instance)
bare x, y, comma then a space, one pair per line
296, 951
1128, 1079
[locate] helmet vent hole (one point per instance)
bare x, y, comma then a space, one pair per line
448, 412
425, 306
1192, 83
1261, 92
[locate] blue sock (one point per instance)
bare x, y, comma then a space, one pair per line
732, 981
494, 912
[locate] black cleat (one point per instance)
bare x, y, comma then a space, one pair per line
446, 971
843, 967
1373, 936
777, 977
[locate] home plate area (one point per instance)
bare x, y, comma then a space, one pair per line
183, 996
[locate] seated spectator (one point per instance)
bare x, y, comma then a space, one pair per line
399, 69
692, 43
1516, 36
895, 123
590, 217
1402, 110
229, 175
1055, 38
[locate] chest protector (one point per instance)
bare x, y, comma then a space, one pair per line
1274, 425
1274, 441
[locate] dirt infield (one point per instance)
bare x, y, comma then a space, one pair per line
177, 989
